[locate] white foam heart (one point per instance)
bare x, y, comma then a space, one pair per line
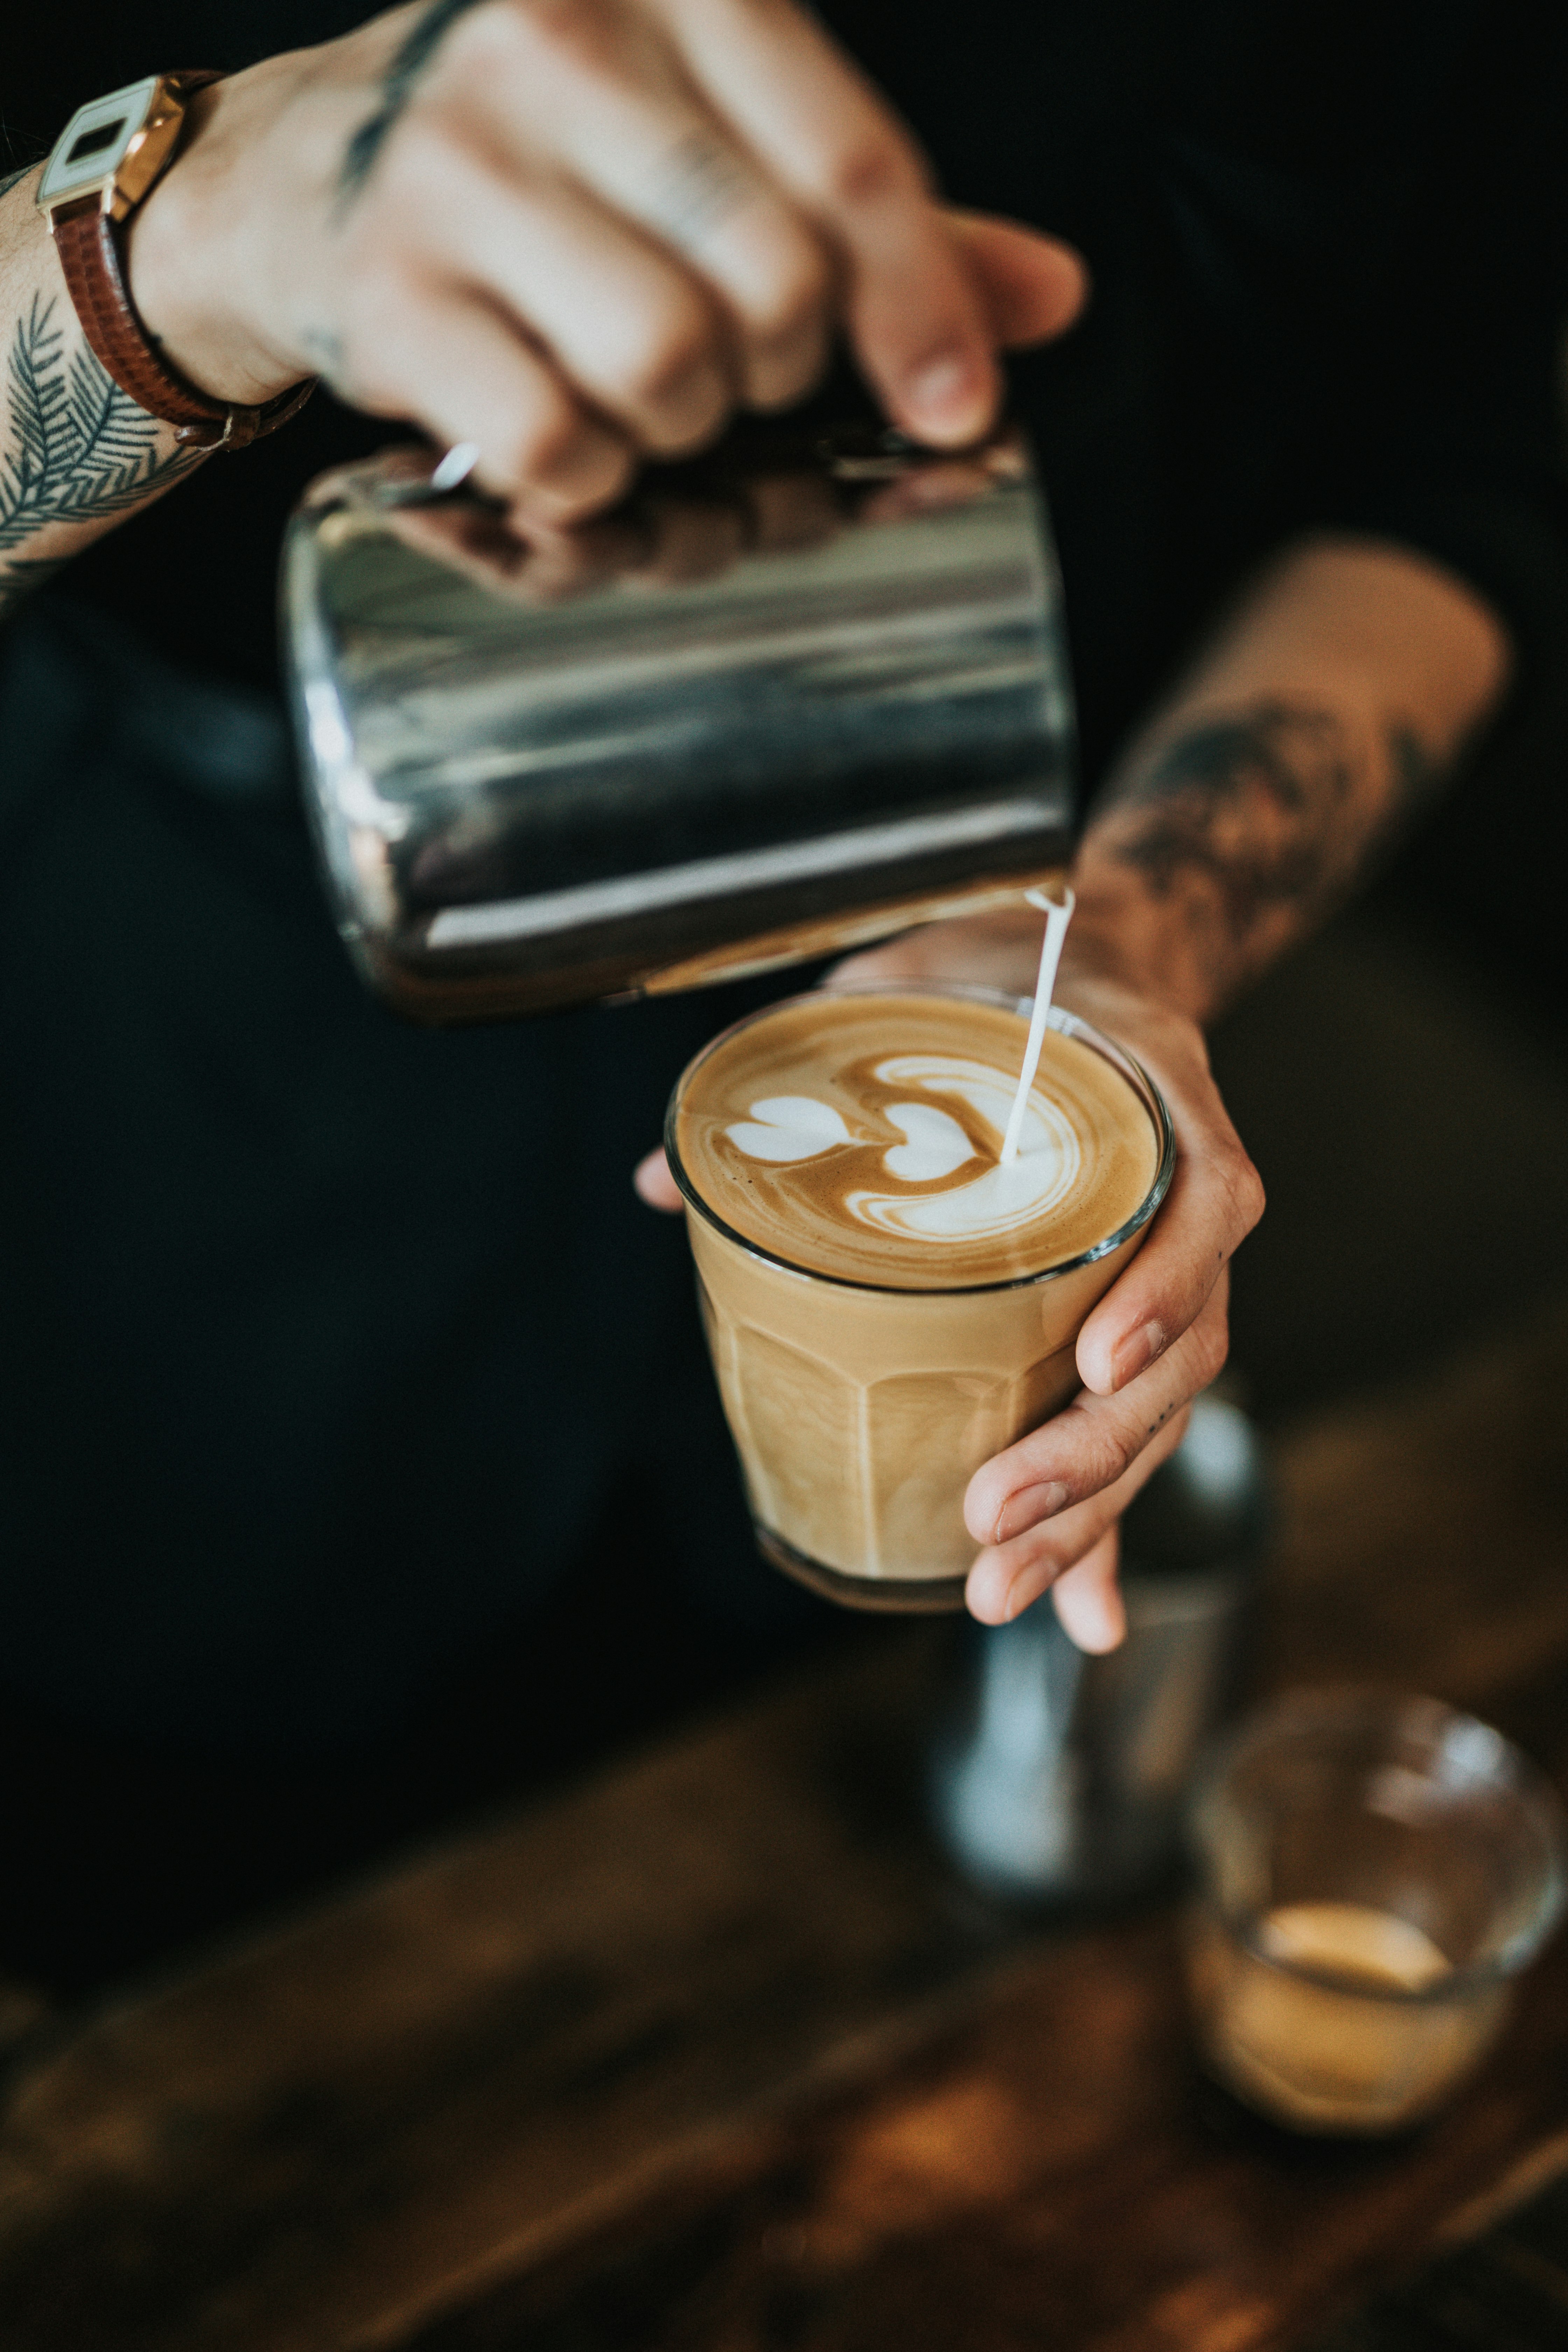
936, 1143
788, 1127
1000, 1198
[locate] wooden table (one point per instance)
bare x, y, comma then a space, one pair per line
712, 2056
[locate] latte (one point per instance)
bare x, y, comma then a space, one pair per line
859, 1136
887, 1303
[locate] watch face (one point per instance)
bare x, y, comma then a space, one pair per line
95, 142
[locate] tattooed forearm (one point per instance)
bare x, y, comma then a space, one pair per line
77, 449
405, 70
1254, 824
1246, 807
1340, 690
9, 179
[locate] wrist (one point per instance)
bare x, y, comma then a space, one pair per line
1123, 939
190, 285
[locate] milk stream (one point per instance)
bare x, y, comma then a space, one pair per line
1058, 917
1011, 1193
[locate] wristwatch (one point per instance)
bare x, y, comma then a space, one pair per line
109, 155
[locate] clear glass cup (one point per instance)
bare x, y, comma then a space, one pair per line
1374, 1870
859, 1412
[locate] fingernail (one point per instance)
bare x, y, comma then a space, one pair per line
949, 394
1136, 1353
1028, 1508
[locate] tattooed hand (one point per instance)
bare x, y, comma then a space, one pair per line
1343, 687
573, 231
1044, 1513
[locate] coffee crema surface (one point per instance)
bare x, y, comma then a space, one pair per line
860, 1136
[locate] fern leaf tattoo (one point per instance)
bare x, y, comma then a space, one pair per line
78, 449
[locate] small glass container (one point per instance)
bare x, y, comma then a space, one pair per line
1373, 1872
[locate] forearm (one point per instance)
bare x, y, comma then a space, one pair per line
77, 453
1341, 693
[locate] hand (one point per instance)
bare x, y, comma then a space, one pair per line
574, 233
1045, 1511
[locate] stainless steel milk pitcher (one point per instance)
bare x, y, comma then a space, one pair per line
792, 697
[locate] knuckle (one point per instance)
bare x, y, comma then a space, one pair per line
1251, 1198
664, 368
1212, 1337
515, 48
1243, 1186
544, 447
663, 364
1115, 1454
869, 171
503, 33
538, 50
792, 298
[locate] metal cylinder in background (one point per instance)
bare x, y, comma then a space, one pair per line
1056, 1776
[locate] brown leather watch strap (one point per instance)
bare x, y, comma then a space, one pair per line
89, 244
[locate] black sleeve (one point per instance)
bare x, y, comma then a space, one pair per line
1394, 222
1453, 443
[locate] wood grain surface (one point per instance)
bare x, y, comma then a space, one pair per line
715, 2054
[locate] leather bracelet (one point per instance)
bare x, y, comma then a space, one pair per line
88, 240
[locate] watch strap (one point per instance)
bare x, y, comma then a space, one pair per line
88, 241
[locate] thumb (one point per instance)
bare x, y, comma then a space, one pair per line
1033, 286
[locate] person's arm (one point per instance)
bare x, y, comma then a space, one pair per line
77, 453
1342, 689
572, 237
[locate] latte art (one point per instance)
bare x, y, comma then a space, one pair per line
990, 1201
936, 1153
789, 1127
831, 1152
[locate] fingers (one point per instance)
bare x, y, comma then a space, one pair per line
1008, 1577
655, 1184
672, 205
1216, 1199
1033, 286
632, 334
1088, 1598
462, 370
1088, 1448
600, 97
740, 141
909, 299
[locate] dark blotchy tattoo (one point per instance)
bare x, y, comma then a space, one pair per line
78, 449
1254, 811
359, 158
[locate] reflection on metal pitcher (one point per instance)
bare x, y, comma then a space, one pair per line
789, 698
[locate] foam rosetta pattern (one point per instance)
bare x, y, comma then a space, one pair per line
864, 1136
